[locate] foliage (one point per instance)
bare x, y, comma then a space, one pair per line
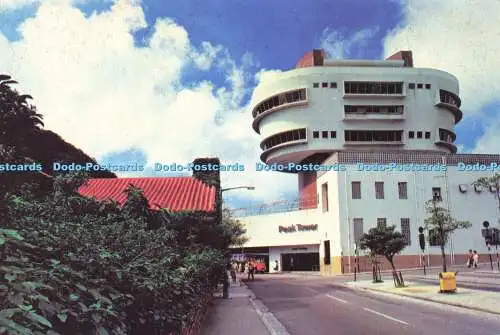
385, 241
73, 265
440, 224
22, 136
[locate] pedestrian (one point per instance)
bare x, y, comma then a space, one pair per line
251, 269
470, 258
476, 259
234, 267
276, 266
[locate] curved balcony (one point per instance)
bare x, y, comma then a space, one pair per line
448, 145
457, 113
277, 102
266, 153
282, 140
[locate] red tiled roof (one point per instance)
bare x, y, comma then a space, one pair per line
173, 193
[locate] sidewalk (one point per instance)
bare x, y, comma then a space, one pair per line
485, 301
240, 314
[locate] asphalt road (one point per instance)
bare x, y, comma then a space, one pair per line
311, 307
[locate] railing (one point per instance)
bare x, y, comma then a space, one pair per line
281, 206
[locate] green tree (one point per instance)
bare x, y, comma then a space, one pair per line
385, 241
440, 224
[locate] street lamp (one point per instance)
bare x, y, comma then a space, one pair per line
225, 292
251, 188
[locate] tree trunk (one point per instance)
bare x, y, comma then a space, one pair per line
443, 255
394, 272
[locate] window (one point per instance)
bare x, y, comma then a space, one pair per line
279, 100
381, 222
428, 86
449, 98
403, 190
358, 229
419, 134
333, 85
420, 85
324, 196
324, 85
427, 135
373, 135
315, 85
436, 194
356, 189
389, 109
333, 134
315, 134
324, 134
326, 244
367, 87
405, 230
446, 135
284, 137
411, 134
411, 86
379, 190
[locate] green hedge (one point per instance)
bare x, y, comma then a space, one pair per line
72, 265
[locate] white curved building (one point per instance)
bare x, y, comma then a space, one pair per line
394, 120
323, 106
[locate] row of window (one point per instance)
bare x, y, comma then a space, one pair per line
325, 85
478, 188
348, 109
379, 190
280, 99
446, 135
449, 98
354, 136
373, 135
325, 134
411, 134
359, 231
284, 137
419, 86
369, 87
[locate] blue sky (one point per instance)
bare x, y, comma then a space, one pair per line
167, 82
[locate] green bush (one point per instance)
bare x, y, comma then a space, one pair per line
73, 265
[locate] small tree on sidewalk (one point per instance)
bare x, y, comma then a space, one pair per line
387, 242
440, 224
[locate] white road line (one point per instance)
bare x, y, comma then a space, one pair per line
310, 289
385, 316
338, 299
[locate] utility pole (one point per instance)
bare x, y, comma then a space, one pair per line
421, 240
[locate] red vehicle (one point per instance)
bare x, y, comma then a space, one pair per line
260, 266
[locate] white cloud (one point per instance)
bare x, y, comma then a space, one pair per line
103, 94
460, 37
8, 5
338, 46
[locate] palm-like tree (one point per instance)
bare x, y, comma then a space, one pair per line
19, 120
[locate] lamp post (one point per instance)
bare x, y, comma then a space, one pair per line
225, 292
487, 234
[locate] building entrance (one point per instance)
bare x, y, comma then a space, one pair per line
300, 261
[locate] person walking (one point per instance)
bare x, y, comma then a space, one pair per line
475, 259
251, 269
470, 259
233, 270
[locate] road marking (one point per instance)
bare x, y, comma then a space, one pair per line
310, 289
338, 299
385, 316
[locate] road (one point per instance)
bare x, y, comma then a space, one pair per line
306, 306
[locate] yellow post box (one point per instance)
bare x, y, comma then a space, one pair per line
447, 282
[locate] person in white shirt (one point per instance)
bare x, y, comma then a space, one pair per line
475, 257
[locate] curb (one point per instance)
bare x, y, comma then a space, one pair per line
484, 310
270, 321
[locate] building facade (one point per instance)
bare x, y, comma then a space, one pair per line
371, 143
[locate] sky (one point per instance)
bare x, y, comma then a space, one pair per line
152, 81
